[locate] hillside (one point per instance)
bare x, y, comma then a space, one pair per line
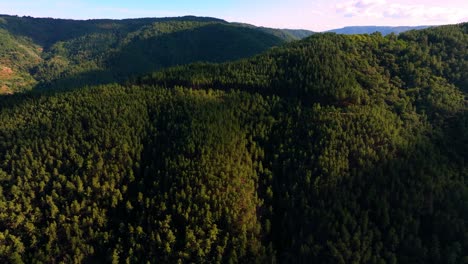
17, 56
73, 53
333, 68
286, 34
333, 149
52, 53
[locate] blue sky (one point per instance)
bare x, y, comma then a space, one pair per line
315, 15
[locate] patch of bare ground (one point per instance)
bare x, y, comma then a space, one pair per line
5, 72
5, 90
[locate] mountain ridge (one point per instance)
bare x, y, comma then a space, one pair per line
384, 30
77, 51
60, 52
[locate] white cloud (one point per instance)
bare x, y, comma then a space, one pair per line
369, 3
368, 8
429, 13
382, 9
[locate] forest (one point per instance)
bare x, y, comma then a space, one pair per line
331, 149
43, 53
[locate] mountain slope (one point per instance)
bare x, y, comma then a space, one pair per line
334, 149
48, 31
17, 56
285, 34
299, 33
77, 52
103, 58
314, 68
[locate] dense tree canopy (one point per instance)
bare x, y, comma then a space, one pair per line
334, 149
55, 53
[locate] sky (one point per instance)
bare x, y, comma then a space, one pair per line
316, 15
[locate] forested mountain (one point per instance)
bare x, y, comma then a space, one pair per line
17, 56
46, 52
372, 29
286, 34
299, 33
333, 149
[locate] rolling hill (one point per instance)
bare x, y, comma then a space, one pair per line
17, 56
332, 149
74, 53
45, 52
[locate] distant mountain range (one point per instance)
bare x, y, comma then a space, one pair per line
298, 34
372, 29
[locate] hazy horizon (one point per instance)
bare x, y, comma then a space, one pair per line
320, 15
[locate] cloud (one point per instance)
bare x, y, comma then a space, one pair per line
429, 13
369, 3
382, 9
369, 8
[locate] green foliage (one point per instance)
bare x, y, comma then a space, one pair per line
335, 149
78, 53
17, 56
